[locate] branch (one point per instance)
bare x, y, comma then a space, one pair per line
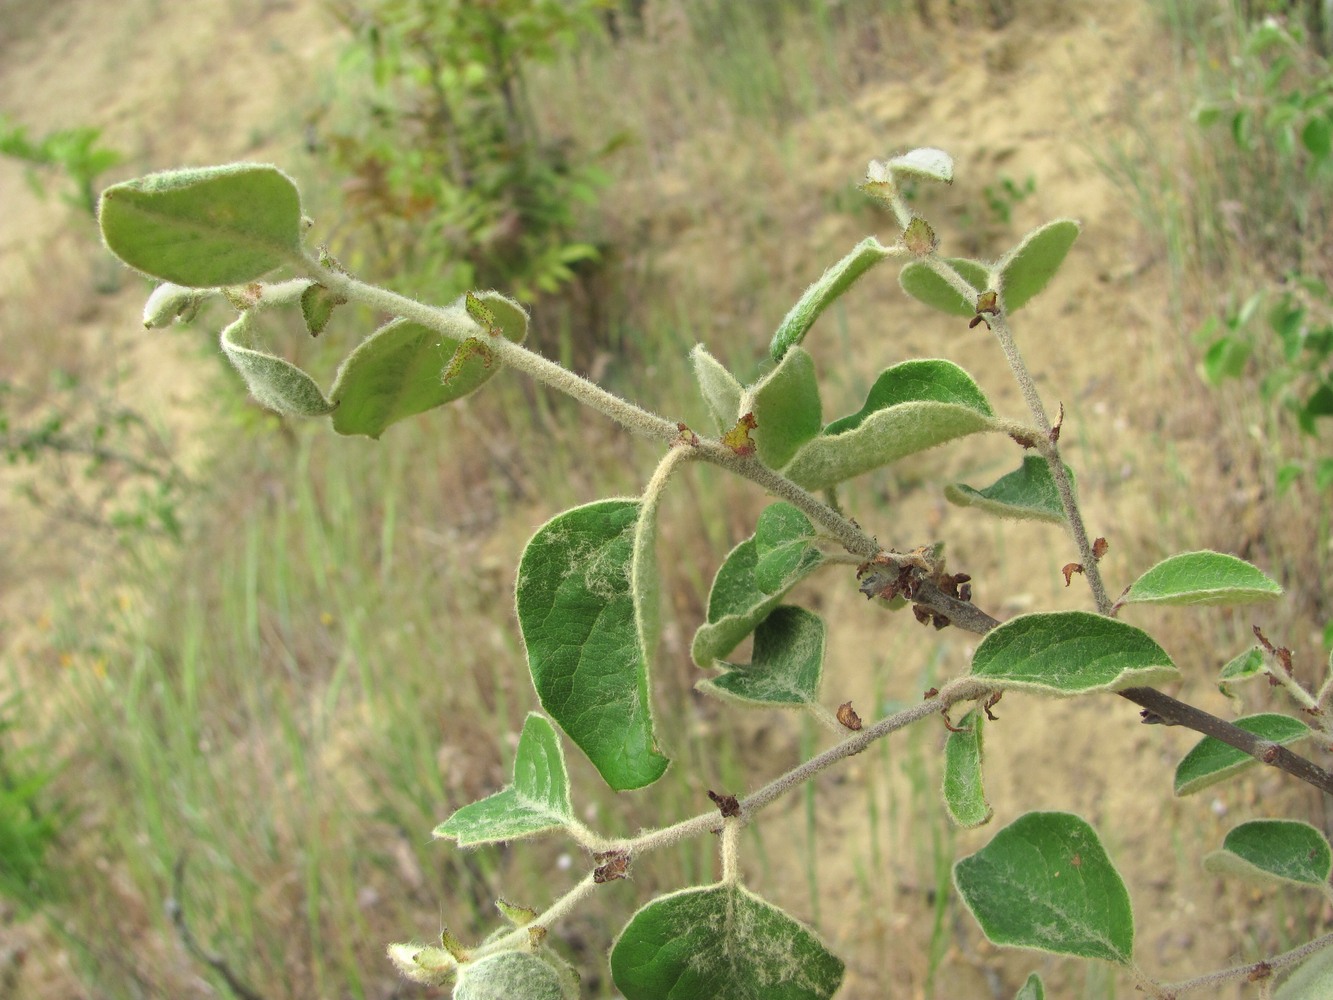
1157, 707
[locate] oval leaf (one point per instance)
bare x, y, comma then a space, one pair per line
1211, 760
1202, 578
926, 162
206, 227
509, 975
1026, 494
737, 603
1025, 270
404, 368
721, 941
577, 615
273, 381
912, 406
537, 801
964, 796
1283, 850
1045, 882
718, 387
836, 280
1032, 989
786, 408
1070, 652
786, 667
924, 285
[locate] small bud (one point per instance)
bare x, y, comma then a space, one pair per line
919, 237
726, 804
173, 303
519, 916
612, 865
848, 717
738, 438
1099, 548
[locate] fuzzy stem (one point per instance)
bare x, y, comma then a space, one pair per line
1255, 969
521, 936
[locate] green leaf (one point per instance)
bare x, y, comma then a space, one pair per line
1211, 760
577, 615
836, 280
1284, 850
718, 387
1045, 882
537, 801
1025, 270
737, 603
926, 162
912, 406
317, 305
1026, 494
786, 667
1070, 652
1032, 989
273, 381
924, 285
1248, 664
964, 796
1202, 578
404, 368
509, 975
786, 408
721, 941
1312, 980
206, 227
784, 547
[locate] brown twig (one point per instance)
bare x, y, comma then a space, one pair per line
175, 907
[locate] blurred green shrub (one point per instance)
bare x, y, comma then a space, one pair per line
27, 829
452, 178
75, 152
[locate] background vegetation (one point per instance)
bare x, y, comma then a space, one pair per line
263, 722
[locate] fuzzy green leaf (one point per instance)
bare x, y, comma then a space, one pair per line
786, 408
578, 618
317, 305
537, 801
1026, 494
718, 387
721, 941
1202, 578
927, 163
836, 280
737, 603
171, 303
1211, 760
1282, 850
912, 406
1045, 882
1248, 664
786, 667
784, 547
404, 368
206, 227
1032, 989
509, 975
273, 381
1312, 980
1026, 269
1070, 652
924, 285
964, 796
